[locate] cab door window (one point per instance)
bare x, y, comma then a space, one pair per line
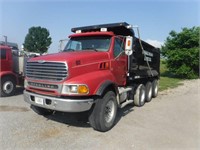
3, 54
118, 47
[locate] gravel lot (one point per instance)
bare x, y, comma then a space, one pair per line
170, 121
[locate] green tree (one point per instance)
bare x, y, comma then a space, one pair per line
37, 40
182, 52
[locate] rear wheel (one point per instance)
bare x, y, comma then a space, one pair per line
42, 111
148, 92
102, 116
155, 88
8, 86
139, 97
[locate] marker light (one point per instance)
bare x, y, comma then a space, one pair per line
103, 29
78, 31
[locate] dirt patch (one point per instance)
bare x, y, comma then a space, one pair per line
5, 108
49, 133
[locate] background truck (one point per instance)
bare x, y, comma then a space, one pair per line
12, 70
102, 68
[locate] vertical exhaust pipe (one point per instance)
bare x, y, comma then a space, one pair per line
5, 39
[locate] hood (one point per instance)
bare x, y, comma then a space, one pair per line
82, 57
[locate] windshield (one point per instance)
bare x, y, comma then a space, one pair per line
100, 43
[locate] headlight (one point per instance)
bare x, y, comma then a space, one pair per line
75, 89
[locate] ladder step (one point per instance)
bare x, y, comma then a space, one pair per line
126, 103
122, 90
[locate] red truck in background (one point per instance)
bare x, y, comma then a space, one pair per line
9, 77
12, 62
102, 68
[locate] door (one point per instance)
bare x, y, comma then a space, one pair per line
119, 62
4, 61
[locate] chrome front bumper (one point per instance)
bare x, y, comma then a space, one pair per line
58, 104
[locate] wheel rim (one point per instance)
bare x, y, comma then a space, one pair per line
156, 89
150, 93
109, 111
142, 96
8, 87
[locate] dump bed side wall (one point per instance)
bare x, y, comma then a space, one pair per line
138, 61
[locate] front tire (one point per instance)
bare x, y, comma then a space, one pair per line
102, 116
8, 86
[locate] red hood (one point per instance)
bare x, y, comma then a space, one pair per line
71, 57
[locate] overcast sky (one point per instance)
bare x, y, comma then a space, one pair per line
156, 18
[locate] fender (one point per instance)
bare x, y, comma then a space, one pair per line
96, 81
9, 73
107, 84
104, 85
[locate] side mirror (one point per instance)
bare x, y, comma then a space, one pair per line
18, 53
62, 44
15, 53
22, 47
128, 46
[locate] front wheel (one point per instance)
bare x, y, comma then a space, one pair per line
8, 86
102, 116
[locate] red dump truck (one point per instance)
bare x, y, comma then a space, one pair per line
102, 68
11, 71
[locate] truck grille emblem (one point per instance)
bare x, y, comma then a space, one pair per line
41, 61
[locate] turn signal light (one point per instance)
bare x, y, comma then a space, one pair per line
129, 43
83, 89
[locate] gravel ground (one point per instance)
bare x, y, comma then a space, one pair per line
170, 121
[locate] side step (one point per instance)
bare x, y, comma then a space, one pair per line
126, 103
122, 90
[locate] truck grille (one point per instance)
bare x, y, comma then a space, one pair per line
52, 71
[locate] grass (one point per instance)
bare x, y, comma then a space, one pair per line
168, 82
167, 79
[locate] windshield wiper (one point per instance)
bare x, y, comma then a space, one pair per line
66, 50
91, 49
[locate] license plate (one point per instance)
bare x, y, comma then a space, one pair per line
39, 100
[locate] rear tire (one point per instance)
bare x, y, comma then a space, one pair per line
139, 97
155, 84
102, 116
42, 111
8, 86
148, 92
